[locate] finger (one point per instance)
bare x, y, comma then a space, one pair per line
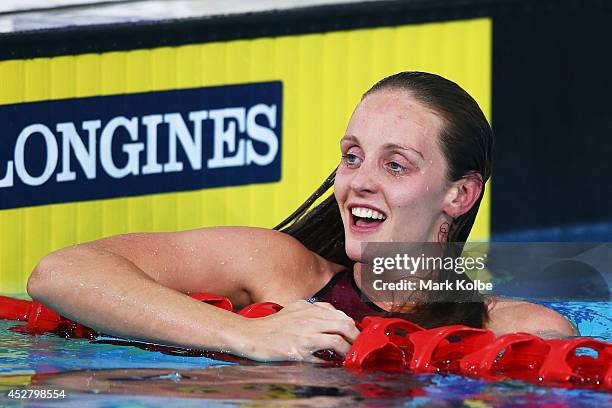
330, 307
344, 328
330, 312
333, 342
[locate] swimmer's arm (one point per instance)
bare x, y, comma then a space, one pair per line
236, 262
508, 316
134, 286
109, 293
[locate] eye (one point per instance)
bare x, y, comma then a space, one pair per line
396, 168
350, 159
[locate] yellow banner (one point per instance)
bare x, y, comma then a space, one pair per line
323, 76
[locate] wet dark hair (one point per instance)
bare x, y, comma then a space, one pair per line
466, 141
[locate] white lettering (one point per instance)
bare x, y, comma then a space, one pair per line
237, 131
192, 146
7, 180
51, 152
87, 159
227, 137
151, 122
132, 149
377, 268
261, 134
426, 285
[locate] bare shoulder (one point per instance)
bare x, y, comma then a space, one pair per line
510, 315
274, 266
227, 245
292, 271
247, 264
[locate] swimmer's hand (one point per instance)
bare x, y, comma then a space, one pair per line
296, 332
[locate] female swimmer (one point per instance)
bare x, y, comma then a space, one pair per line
415, 159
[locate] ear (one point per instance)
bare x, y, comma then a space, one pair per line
463, 194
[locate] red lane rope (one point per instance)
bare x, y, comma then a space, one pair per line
399, 345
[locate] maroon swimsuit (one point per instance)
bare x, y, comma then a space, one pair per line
342, 292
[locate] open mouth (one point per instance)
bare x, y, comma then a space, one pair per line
365, 219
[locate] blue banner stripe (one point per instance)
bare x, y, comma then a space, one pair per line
134, 144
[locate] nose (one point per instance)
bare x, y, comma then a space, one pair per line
365, 179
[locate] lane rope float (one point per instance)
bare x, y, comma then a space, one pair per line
394, 344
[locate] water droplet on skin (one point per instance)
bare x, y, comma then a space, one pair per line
250, 258
256, 249
222, 262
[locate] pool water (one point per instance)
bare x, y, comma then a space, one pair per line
102, 375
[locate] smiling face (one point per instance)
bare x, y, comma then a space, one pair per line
391, 184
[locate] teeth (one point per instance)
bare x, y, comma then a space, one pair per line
367, 213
